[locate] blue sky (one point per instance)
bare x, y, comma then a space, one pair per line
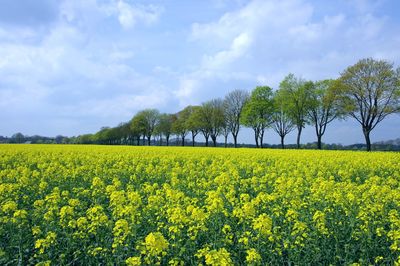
70, 67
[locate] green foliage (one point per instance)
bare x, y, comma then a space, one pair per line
145, 122
180, 124
297, 92
324, 106
193, 121
211, 119
258, 110
164, 125
369, 91
282, 122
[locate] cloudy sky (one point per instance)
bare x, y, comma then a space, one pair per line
70, 67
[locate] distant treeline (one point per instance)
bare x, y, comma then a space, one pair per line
368, 92
390, 145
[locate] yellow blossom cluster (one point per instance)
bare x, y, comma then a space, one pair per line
109, 205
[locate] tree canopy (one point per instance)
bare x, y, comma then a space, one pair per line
370, 91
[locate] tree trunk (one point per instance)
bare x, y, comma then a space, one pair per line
367, 139
319, 142
256, 138
299, 129
214, 139
282, 141
235, 140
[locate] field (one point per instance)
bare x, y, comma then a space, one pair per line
74, 205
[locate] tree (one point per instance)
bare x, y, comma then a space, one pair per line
164, 126
324, 107
179, 126
282, 122
103, 136
225, 131
369, 92
258, 111
138, 127
125, 133
203, 116
18, 138
146, 121
233, 107
211, 119
217, 119
297, 91
193, 123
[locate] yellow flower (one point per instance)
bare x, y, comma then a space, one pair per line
44, 243
9, 206
220, 257
133, 261
120, 232
156, 244
253, 256
263, 224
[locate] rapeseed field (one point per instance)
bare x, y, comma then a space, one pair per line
91, 205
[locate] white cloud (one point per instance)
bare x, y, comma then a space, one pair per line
130, 15
187, 86
238, 48
92, 66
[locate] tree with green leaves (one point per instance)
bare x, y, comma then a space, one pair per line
258, 111
324, 107
138, 127
225, 131
203, 116
217, 119
179, 126
282, 122
193, 123
164, 126
211, 119
298, 93
146, 121
17, 138
233, 107
369, 92
124, 132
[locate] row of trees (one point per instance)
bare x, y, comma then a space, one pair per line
367, 91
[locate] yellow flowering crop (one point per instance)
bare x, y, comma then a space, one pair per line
109, 205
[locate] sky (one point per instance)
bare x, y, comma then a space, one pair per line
71, 67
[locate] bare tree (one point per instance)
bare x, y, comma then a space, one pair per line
233, 106
282, 122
